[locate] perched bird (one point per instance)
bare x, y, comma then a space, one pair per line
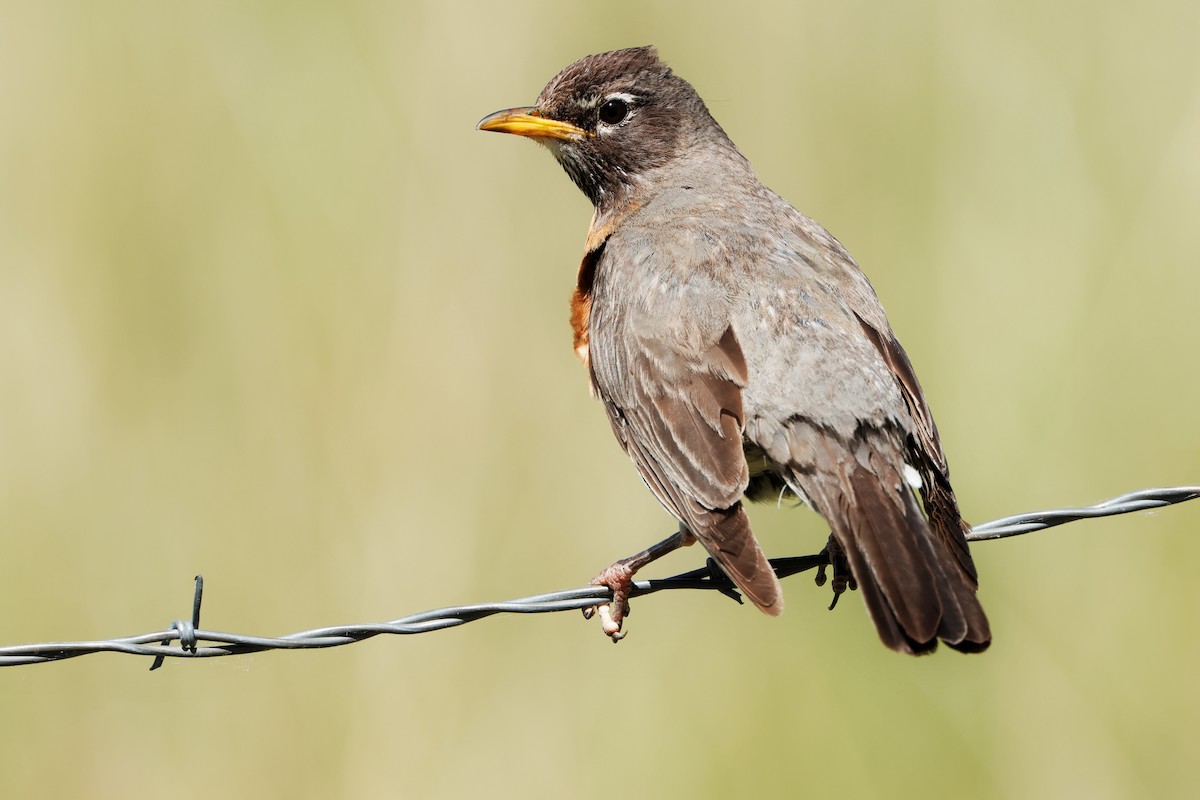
740, 352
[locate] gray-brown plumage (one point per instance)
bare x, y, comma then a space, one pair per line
739, 350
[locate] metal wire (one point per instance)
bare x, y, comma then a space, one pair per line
189, 634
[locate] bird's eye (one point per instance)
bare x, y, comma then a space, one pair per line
614, 111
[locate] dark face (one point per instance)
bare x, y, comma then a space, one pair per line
609, 118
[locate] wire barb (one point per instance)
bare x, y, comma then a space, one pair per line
184, 631
190, 635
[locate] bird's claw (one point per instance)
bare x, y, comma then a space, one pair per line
843, 579
608, 624
619, 579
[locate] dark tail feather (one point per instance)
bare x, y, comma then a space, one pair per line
915, 586
950, 531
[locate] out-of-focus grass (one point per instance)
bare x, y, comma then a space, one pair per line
272, 310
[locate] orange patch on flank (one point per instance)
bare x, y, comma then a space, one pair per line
581, 308
581, 298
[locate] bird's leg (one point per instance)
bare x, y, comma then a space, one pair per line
619, 578
843, 579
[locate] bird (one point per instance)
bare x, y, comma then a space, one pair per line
741, 354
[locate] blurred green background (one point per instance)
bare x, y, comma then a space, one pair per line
272, 310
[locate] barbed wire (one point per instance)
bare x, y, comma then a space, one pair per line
189, 635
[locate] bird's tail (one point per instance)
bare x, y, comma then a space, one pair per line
915, 586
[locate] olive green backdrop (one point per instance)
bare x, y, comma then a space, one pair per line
272, 310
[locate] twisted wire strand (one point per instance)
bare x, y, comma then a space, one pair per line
216, 643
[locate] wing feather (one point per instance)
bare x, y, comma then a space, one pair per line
679, 418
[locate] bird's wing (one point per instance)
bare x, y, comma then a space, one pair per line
830, 265
941, 505
674, 400
925, 445
683, 419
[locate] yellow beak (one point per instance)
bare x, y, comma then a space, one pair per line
527, 121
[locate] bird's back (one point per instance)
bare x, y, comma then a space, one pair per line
751, 261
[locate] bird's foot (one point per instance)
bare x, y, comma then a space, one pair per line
618, 578
843, 579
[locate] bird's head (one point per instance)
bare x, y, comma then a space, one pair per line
610, 118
